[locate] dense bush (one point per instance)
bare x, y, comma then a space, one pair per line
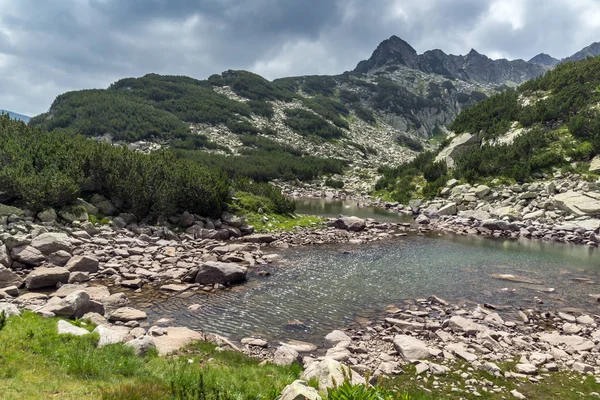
308, 124
335, 184
52, 169
329, 109
275, 201
264, 164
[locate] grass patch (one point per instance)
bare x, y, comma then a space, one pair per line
282, 223
37, 363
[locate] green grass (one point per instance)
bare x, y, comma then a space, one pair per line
36, 363
282, 223
559, 385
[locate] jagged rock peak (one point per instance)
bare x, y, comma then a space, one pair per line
544, 60
393, 50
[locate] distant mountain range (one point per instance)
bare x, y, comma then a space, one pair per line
473, 67
15, 115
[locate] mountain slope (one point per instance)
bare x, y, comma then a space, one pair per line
592, 50
382, 113
17, 116
547, 123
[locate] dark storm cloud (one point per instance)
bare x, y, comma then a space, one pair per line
47, 48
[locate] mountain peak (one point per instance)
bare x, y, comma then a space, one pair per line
391, 51
544, 60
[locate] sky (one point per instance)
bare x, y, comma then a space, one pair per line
48, 47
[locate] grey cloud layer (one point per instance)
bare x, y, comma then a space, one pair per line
47, 48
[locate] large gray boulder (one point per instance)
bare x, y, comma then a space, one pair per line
104, 205
495, 225
411, 348
142, 344
353, 224
65, 328
448, 209
51, 242
5, 259
329, 373
9, 309
7, 211
112, 334
47, 215
174, 338
83, 264
285, 355
299, 390
46, 277
579, 204
9, 278
28, 255
72, 214
448, 153
126, 314
75, 305
212, 272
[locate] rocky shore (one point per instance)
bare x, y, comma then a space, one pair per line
430, 339
82, 270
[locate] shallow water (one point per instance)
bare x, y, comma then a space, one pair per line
332, 208
332, 286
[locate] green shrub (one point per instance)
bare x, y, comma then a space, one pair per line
308, 124
332, 183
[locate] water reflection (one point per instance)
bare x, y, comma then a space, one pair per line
331, 208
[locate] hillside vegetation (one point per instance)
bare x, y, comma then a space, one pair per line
561, 119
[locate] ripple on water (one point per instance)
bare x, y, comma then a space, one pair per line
332, 286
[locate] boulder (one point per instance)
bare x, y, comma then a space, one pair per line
576, 342
174, 339
299, 390
59, 258
28, 255
579, 204
448, 209
411, 348
495, 225
353, 224
9, 309
457, 144
463, 325
46, 277
75, 305
595, 164
337, 337
482, 190
232, 220
9, 278
111, 334
48, 215
7, 211
142, 344
126, 314
5, 259
478, 215
65, 328
422, 219
329, 373
51, 242
285, 355
254, 342
104, 205
212, 272
259, 238
83, 264
89, 208
72, 214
